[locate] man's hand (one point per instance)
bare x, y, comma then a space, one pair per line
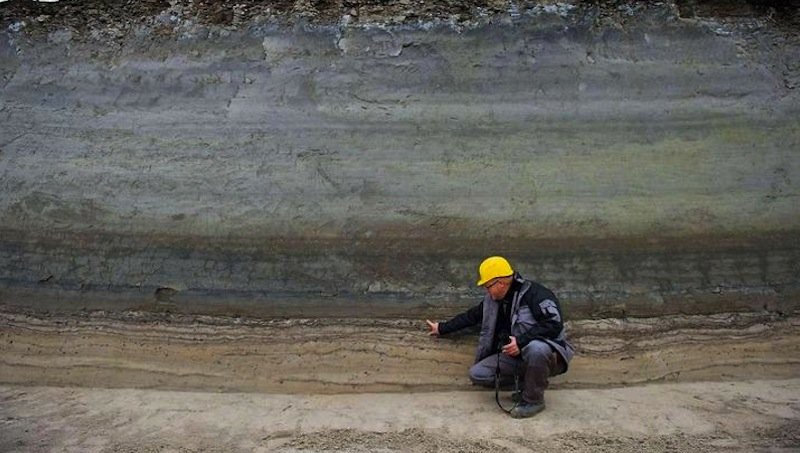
434, 326
511, 349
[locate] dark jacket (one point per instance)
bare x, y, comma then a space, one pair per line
535, 315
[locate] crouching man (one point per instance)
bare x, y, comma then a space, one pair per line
521, 319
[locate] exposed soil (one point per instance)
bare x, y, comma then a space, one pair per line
106, 382
216, 353
121, 16
149, 381
753, 416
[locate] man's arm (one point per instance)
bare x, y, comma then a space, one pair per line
549, 323
469, 318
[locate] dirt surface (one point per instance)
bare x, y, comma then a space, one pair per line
746, 416
159, 382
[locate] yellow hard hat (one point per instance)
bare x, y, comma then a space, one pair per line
493, 267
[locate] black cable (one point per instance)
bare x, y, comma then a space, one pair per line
497, 386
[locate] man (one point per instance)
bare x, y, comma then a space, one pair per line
521, 319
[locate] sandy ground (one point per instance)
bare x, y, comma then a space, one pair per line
707, 416
136, 381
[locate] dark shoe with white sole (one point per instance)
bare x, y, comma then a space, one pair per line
525, 409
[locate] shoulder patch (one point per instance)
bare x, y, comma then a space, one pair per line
550, 308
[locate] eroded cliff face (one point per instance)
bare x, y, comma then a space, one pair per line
643, 162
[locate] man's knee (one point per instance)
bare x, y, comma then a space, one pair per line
536, 350
481, 375
539, 353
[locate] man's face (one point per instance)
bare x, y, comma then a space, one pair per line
498, 287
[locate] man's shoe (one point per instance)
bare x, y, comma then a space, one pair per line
516, 397
525, 409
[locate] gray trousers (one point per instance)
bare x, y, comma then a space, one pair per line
534, 365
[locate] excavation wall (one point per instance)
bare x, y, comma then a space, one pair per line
643, 165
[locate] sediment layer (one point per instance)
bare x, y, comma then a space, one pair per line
163, 351
214, 166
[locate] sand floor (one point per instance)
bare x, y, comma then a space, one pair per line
135, 381
740, 416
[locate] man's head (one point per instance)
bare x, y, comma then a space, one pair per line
495, 274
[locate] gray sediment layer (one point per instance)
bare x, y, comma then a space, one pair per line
365, 170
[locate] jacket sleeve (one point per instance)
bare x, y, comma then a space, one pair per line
549, 324
469, 318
